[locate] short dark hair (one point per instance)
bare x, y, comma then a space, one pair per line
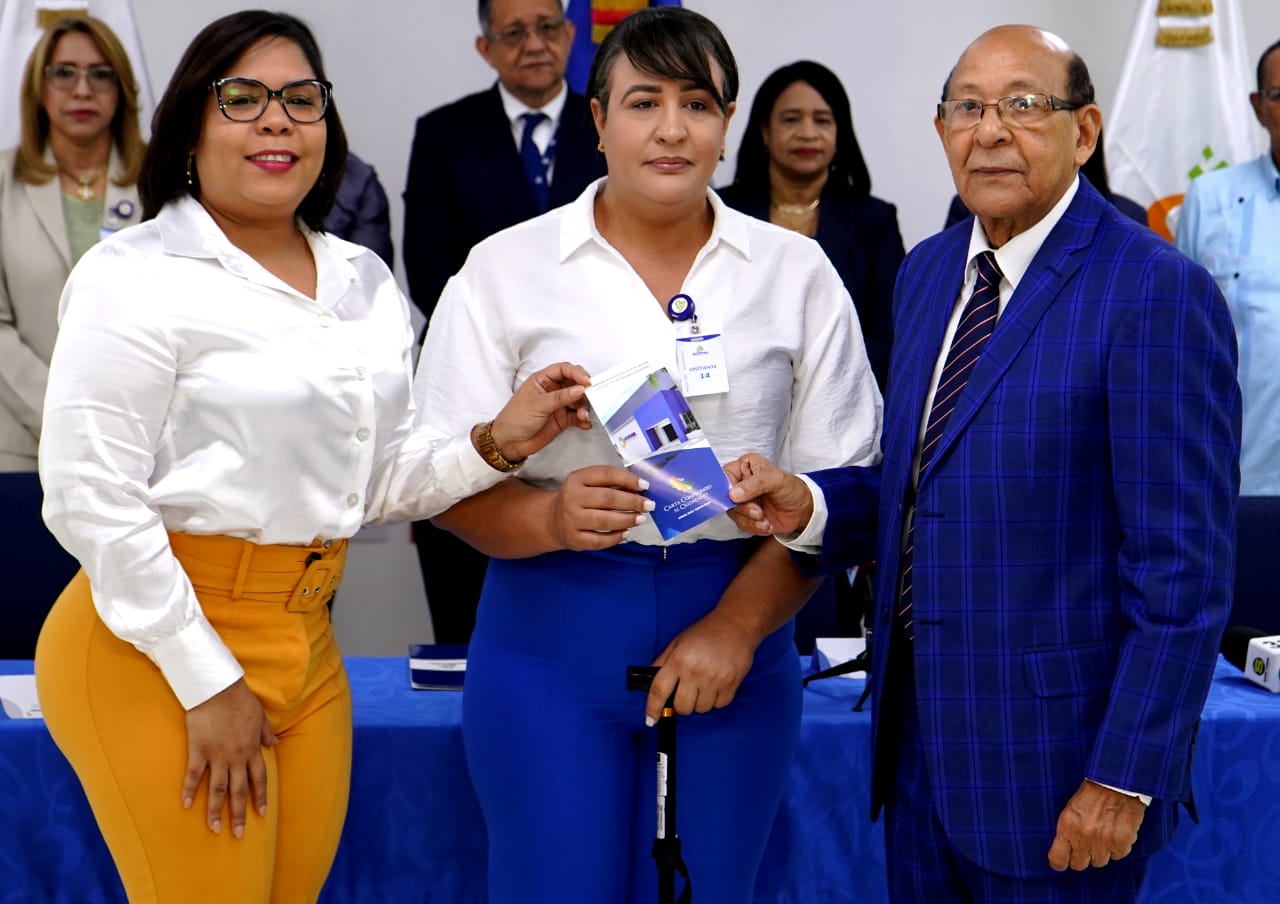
179, 117
1079, 83
1262, 63
484, 10
849, 173
669, 42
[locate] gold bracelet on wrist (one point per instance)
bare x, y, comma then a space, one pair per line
482, 437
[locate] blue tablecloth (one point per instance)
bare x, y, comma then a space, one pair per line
414, 831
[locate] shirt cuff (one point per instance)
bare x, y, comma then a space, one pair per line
1145, 798
196, 663
808, 541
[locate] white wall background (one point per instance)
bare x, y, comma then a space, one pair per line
392, 60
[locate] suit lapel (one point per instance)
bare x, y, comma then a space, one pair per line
938, 285
576, 154
1042, 285
46, 201
835, 224
493, 139
116, 214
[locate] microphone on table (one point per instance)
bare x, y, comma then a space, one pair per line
1254, 653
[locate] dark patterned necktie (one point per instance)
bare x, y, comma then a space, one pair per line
535, 162
972, 334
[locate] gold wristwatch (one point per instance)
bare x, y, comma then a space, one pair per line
482, 436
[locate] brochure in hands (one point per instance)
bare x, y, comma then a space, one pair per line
652, 427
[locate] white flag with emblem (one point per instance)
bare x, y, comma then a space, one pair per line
1182, 107
21, 24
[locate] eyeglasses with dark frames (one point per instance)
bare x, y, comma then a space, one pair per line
246, 99
1017, 110
65, 76
515, 36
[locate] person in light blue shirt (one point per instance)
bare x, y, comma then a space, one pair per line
1230, 223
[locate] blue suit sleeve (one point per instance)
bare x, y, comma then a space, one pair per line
1174, 420
853, 499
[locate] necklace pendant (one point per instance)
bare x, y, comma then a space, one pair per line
85, 192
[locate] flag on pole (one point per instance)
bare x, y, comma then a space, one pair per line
592, 20
21, 24
1181, 108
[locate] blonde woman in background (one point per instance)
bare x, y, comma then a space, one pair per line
71, 180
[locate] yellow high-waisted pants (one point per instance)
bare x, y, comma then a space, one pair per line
118, 722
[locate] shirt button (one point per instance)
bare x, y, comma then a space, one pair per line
353, 500
361, 373
362, 434
325, 320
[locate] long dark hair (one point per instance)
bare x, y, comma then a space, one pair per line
179, 118
849, 173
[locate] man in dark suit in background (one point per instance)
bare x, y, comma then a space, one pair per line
479, 165
1056, 511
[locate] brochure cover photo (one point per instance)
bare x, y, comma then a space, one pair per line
651, 425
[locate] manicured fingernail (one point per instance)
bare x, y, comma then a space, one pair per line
186, 803
650, 505
262, 809
238, 831
648, 721
644, 484
216, 826
641, 519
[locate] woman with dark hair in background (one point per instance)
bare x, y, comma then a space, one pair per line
229, 400
581, 583
800, 167
70, 180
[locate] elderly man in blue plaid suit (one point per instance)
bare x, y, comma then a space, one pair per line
1055, 511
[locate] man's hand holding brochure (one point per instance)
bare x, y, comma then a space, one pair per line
651, 425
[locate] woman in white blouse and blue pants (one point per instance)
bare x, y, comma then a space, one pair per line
228, 402
581, 583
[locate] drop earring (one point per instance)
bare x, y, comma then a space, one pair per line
191, 161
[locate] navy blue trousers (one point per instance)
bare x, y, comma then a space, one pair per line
559, 754
922, 863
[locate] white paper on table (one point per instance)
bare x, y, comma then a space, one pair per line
18, 697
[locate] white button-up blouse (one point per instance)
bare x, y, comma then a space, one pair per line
800, 389
191, 390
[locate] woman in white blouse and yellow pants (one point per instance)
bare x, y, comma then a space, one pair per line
228, 402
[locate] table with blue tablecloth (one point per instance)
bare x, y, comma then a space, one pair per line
414, 831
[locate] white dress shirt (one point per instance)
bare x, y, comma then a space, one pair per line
191, 390
552, 289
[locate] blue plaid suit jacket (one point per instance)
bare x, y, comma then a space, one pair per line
1074, 537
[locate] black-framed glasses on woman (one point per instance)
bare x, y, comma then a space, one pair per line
246, 99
